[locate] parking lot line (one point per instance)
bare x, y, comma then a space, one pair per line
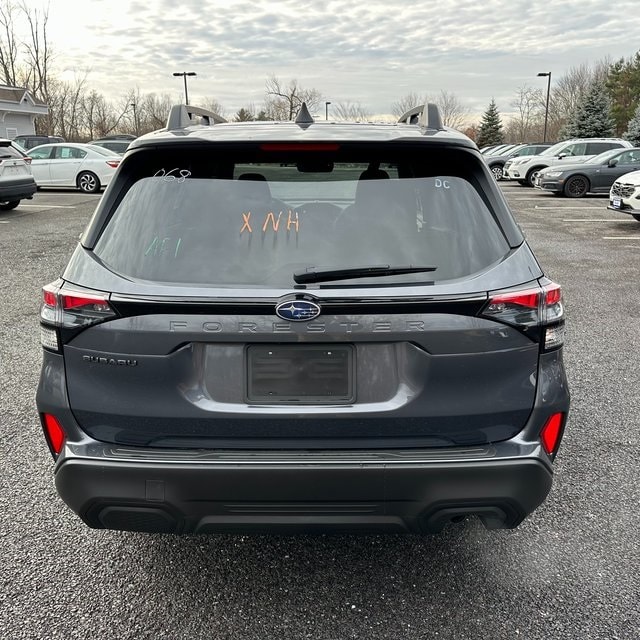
590, 220
621, 237
47, 206
561, 208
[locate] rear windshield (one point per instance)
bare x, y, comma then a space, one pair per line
228, 220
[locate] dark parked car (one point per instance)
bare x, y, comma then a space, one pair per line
118, 143
302, 326
31, 141
496, 162
592, 176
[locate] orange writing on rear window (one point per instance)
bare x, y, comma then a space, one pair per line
271, 222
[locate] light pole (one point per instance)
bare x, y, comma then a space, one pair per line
184, 74
546, 111
326, 110
135, 117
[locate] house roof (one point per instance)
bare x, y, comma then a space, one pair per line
21, 98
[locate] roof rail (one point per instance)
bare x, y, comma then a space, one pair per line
426, 115
182, 115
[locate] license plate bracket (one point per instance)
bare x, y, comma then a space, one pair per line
300, 374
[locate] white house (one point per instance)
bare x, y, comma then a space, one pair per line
18, 112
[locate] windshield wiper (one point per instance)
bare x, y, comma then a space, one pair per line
315, 274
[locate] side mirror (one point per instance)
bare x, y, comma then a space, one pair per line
613, 162
561, 156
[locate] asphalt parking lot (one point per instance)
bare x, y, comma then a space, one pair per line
570, 571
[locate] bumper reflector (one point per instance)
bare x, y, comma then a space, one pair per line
550, 433
53, 432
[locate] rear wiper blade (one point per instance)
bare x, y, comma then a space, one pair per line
315, 274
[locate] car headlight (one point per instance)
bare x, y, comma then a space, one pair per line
551, 174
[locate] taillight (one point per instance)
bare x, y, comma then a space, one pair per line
113, 163
71, 309
53, 433
551, 432
531, 307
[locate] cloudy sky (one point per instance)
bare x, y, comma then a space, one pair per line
372, 52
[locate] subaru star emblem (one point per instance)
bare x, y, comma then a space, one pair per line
298, 310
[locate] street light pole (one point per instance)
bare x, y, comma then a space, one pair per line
184, 74
546, 112
135, 117
326, 110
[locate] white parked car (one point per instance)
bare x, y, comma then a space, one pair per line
66, 164
524, 168
625, 195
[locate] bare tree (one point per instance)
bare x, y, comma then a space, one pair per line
213, 105
155, 111
529, 105
350, 111
98, 115
452, 111
282, 102
37, 50
66, 108
407, 102
8, 44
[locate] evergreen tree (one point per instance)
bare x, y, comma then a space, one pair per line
633, 129
623, 84
592, 117
244, 115
490, 127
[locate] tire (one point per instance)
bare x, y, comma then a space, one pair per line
88, 182
7, 206
636, 216
531, 176
497, 171
523, 183
576, 187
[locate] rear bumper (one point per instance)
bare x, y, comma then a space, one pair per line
18, 189
295, 492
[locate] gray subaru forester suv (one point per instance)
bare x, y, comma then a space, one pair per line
302, 326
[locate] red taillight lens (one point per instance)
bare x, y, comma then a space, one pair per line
54, 433
531, 307
70, 309
529, 298
48, 297
113, 163
520, 308
551, 432
87, 301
